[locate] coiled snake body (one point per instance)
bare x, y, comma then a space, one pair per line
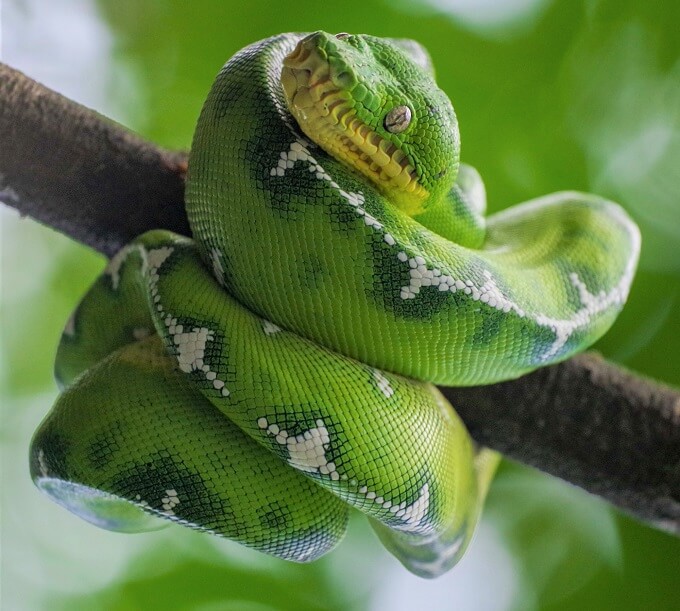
257, 381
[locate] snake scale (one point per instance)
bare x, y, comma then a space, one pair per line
261, 379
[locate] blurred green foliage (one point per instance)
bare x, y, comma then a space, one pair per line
550, 95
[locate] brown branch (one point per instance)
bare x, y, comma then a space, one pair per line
71, 169
591, 423
587, 421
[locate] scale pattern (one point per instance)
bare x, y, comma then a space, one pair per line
258, 381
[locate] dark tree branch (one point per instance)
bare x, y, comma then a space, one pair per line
591, 423
586, 421
71, 169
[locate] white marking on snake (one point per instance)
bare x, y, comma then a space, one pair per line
139, 501
422, 275
592, 305
157, 256
299, 151
383, 383
189, 345
306, 451
216, 257
413, 514
170, 501
489, 293
269, 327
114, 265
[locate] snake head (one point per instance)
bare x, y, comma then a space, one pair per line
368, 103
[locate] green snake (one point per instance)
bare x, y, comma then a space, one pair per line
261, 379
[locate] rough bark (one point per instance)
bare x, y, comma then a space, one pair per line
86, 176
587, 421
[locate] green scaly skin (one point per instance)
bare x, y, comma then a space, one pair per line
259, 381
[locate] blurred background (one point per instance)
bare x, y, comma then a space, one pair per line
550, 95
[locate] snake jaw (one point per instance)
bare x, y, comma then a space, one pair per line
323, 94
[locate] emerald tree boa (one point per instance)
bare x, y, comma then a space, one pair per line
261, 379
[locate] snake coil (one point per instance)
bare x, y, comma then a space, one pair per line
260, 379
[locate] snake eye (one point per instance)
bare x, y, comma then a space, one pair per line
398, 119
342, 35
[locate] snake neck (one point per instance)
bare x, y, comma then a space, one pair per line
369, 106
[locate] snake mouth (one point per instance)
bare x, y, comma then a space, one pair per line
322, 95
